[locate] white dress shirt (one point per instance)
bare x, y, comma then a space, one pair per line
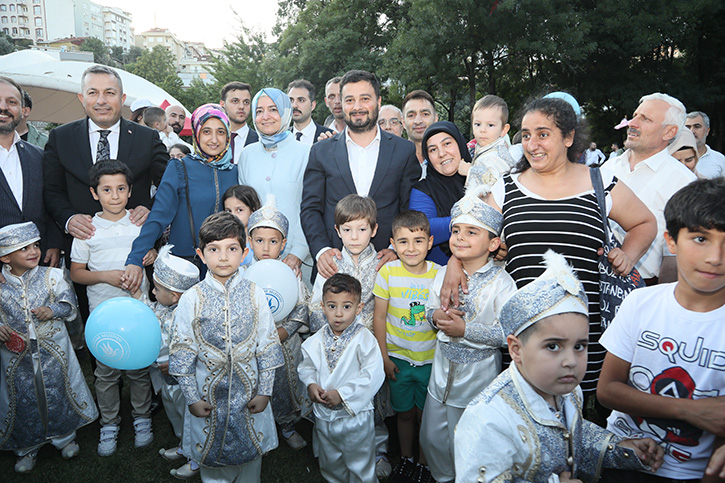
363, 161
239, 142
10, 165
654, 181
94, 135
308, 133
711, 164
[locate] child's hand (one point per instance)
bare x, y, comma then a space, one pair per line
707, 413
164, 368
282, 333
43, 313
566, 476
257, 404
5, 333
332, 398
316, 393
150, 257
390, 369
114, 277
452, 324
463, 168
621, 264
200, 409
716, 464
649, 452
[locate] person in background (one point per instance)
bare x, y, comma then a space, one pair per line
333, 101
138, 107
712, 163
390, 119
684, 150
236, 100
302, 96
27, 131
178, 151
419, 112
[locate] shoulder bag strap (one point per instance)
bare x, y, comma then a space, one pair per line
598, 185
188, 205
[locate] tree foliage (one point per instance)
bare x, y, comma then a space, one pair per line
101, 53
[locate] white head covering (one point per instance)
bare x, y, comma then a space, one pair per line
17, 236
268, 216
472, 210
174, 273
556, 291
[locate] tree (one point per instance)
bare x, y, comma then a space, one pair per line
101, 54
6, 44
158, 66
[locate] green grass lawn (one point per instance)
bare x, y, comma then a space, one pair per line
131, 465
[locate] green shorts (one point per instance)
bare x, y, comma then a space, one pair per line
411, 386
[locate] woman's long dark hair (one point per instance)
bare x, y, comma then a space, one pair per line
565, 120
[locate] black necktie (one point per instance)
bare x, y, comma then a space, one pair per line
103, 151
231, 141
298, 136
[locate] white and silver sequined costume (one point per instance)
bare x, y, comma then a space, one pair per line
225, 349
462, 366
490, 163
43, 394
350, 363
365, 271
509, 433
290, 400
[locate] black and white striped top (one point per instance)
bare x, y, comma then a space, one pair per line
571, 227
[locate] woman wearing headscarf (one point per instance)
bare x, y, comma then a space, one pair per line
445, 149
190, 190
276, 165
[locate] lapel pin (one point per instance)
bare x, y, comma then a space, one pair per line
129, 131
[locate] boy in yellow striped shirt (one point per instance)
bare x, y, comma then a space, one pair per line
407, 340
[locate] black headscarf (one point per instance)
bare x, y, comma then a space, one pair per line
443, 190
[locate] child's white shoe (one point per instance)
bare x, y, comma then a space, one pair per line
144, 433
294, 440
171, 454
185, 472
70, 450
26, 463
108, 440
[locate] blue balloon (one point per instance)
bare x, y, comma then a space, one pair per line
124, 333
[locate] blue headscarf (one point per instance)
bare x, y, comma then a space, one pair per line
284, 107
202, 114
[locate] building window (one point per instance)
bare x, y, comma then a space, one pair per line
36, 10
6, 31
4, 20
3, 8
15, 31
38, 22
38, 32
12, 7
13, 20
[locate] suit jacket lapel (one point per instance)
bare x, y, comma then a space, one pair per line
84, 144
125, 140
6, 187
339, 151
385, 154
30, 182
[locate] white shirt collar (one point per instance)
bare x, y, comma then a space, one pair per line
93, 127
375, 139
16, 138
242, 130
308, 131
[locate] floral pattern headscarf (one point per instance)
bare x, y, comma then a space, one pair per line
284, 107
202, 114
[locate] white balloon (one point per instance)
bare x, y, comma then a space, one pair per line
279, 283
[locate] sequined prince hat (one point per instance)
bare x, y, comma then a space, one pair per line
556, 291
268, 216
14, 237
174, 273
472, 210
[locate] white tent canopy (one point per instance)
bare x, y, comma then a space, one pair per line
54, 85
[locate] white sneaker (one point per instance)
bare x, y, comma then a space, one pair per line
144, 433
185, 472
171, 454
295, 441
107, 441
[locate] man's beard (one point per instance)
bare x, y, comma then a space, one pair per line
364, 125
7, 128
177, 127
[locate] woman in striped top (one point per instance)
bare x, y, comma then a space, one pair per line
549, 202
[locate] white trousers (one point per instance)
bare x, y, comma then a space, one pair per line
436, 438
247, 473
174, 405
347, 449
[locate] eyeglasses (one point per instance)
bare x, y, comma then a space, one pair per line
393, 122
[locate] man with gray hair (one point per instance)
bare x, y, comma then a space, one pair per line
333, 101
712, 163
649, 171
390, 119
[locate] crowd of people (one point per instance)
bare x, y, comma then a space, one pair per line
452, 285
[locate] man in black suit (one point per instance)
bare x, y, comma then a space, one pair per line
74, 147
362, 159
302, 95
236, 99
21, 176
